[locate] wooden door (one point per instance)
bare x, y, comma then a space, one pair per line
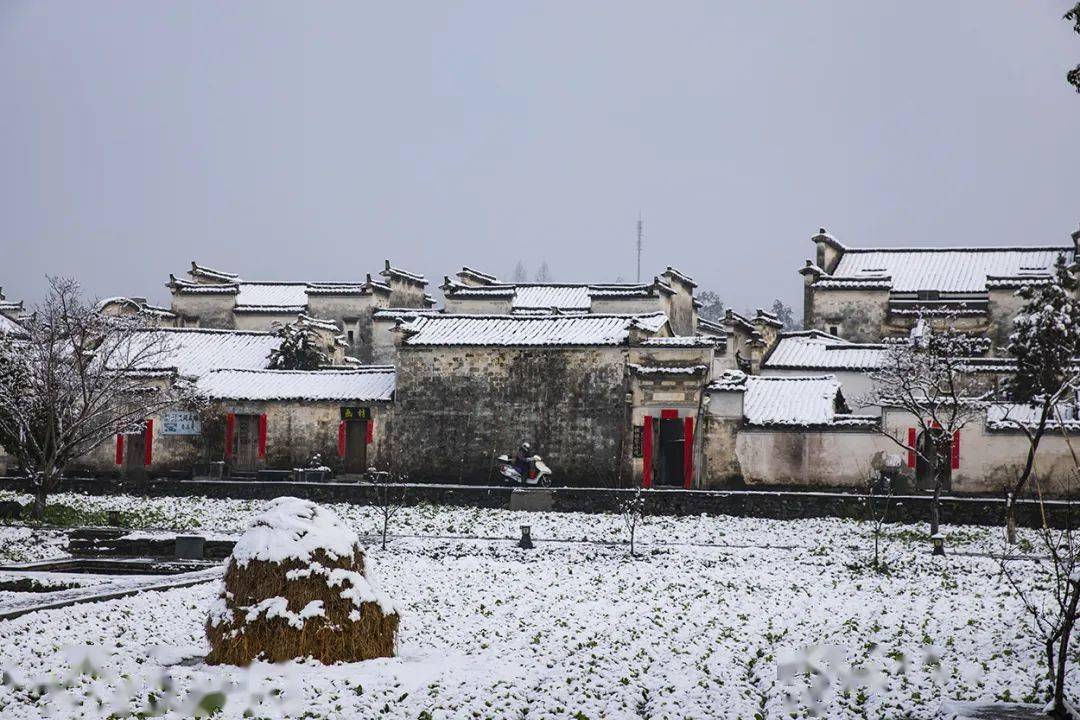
671, 451
931, 459
135, 456
246, 443
355, 446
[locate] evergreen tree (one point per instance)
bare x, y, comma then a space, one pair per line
300, 348
784, 314
712, 307
1045, 341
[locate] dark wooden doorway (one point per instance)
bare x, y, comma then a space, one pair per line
355, 446
671, 451
245, 443
933, 456
135, 456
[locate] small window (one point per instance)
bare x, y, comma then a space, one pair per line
834, 330
350, 337
929, 295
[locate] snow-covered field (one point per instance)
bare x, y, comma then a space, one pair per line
696, 627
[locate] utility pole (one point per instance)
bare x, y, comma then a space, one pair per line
640, 235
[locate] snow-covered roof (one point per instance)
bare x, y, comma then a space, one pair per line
674, 272
138, 305
564, 297
782, 400
513, 330
817, 350
10, 327
568, 297
403, 313
193, 352
279, 297
475, 274
198, 270
390, 271
367, 384
955, 270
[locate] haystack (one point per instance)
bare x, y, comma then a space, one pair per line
295, 586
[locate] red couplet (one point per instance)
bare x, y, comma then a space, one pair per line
688, 452
148, 441
230, 425
262, 436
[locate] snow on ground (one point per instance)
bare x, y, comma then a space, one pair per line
20, 544
579, 629
218, 518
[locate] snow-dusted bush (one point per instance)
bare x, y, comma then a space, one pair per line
295, 586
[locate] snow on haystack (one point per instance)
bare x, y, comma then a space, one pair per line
294, 587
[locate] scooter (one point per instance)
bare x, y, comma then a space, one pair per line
539, 473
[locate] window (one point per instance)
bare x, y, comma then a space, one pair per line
929, 295
350, 337
834, 330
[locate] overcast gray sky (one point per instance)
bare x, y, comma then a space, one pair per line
311, 140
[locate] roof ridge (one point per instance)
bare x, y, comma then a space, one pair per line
208, 331
367, 370
549, 316
962, 248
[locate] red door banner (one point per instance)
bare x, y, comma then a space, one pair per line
149, 442
341, 439
370, 432
119, 449
262, 436
911, 435
956, 450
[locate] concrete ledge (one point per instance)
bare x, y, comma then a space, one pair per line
532, 500
778, 504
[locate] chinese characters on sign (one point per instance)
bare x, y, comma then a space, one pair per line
181, 422
355, 413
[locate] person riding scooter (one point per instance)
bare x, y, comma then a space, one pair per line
523, 459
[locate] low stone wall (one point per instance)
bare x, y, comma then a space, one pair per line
782, 505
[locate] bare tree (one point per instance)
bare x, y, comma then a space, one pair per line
74, 380
544, 273
388, 498
520, 273
926, 377
1045, 340
633, 510
877, 495
1073, 75
1051, 597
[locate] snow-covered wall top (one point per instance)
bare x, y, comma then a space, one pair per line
512, 330
360, 385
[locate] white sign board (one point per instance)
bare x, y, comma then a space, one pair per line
181, 422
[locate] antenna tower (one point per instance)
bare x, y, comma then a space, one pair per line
640, 235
